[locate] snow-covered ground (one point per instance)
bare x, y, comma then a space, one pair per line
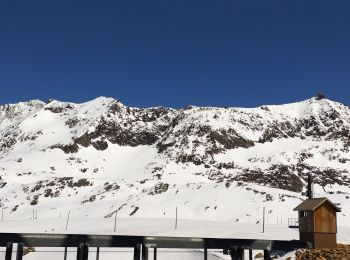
155, 227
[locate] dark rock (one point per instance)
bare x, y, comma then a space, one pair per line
55, 109
159, 188
230, 139
320, 96
100, 145
69, 148
134, 211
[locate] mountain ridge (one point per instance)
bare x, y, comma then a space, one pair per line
103, 154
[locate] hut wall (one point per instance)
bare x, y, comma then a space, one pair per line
305, 221
325, 219
307, 236
325, 240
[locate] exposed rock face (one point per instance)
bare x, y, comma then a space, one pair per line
268, 146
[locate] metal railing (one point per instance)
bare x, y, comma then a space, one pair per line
293, 222
142, 244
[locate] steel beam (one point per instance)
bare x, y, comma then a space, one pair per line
65, 253
267, 254
83, 252
137, 253
155, 253
9, 248
240, 253
74, 240
250, 254
19, 254
144, 252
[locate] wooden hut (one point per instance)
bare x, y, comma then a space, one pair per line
318, 222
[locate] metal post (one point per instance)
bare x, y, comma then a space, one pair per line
83, 252
97, 253
86, 252
240, 253
267, 254
67, 219
19, 255
144, 252
137, 252
65, 253
263, 219
155, 253
233, 253
176, 218
115, 221
79, 252
309, 186
237, 253
205, 253
250, 254
9, 247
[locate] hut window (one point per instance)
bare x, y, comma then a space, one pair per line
304, 213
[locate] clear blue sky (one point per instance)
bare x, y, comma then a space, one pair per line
175, 52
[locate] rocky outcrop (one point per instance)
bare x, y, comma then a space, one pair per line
339, 253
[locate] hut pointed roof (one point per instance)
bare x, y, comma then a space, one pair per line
313, 204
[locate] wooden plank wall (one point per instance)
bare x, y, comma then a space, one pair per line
325, 219
306, 221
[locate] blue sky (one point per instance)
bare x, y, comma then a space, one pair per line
175, 53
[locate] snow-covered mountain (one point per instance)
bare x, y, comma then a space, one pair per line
101, 156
